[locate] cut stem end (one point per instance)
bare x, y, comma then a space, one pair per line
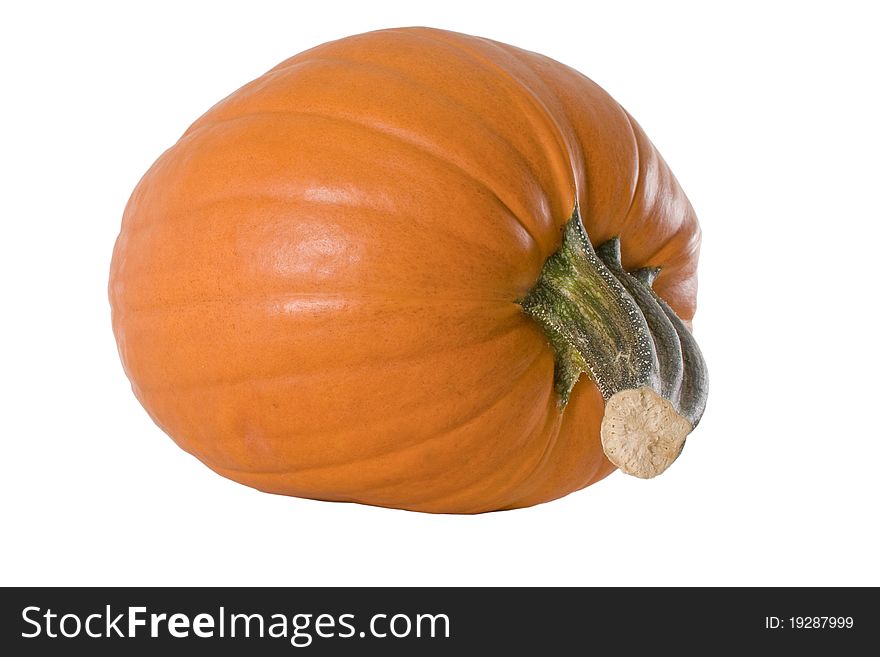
642, 433
611, 325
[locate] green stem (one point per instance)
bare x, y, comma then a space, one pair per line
592, 322
665, 338
609, 324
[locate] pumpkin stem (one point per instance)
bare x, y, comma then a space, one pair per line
610, 324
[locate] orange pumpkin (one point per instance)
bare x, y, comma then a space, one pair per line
318, 290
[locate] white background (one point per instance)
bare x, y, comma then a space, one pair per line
767, 113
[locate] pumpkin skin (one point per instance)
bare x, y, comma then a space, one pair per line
314, 291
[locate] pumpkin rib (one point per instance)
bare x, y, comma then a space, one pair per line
570, 143
670, 265
400, 138
435, 36
541, 421
433, 503
429, 302
447, 99
496, 501
398, 75
638, 177
507, 499
544, 457
659, 259
444, 432
472, 116
601, 469
207, 205
563, 172
270, 75
509, 496
682, 262
683, 225
637, 165
594, 153
286, 375
623, 216
543, 401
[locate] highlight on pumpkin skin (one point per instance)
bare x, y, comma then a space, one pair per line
612, 326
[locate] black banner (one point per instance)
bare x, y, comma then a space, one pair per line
430, 621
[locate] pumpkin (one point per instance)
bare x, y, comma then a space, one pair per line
414, 269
